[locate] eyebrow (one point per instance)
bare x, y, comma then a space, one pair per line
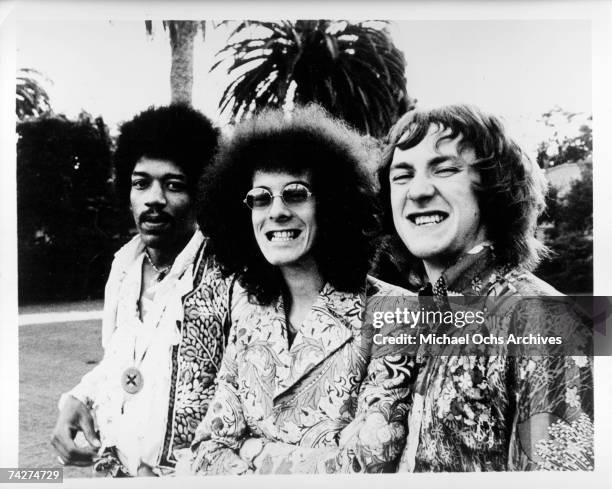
306, 184
166, 176
432, 162
402, 165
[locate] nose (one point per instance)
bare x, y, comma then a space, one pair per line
421, 187
278, 209
156, 195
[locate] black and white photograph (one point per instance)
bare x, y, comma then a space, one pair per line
214, 216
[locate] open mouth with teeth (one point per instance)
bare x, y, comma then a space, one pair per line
286, 235
428, 218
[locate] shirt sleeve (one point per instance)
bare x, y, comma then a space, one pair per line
86, 390
552, 427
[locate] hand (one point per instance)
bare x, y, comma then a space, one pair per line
146, 471
202, 433
74, 417
351, 431
251, 449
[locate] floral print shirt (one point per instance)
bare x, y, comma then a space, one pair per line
317, 406
501, 412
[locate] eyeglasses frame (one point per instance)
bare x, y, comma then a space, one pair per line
280, 194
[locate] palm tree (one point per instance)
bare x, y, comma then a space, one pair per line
32, 98
182, 34
352, 69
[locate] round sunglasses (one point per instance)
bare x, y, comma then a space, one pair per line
292, 194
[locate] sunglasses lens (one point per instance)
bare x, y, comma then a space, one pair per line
258, 198
295, 193
292, 194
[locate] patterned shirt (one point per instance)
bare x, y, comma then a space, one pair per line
501, 412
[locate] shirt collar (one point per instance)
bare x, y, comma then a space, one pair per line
135, 247
458, 277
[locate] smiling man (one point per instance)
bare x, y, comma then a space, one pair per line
464, 200
281, 238
435, 208
164, 313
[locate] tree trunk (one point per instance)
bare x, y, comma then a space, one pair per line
182, 34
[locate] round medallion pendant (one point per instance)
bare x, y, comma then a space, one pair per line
131, 380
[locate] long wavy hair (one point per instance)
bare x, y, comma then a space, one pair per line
306, 140
511, 190
176, 133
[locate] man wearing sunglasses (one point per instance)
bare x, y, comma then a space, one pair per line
164, 313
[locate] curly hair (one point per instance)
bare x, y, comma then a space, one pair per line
176, 133
511, 190
309, 140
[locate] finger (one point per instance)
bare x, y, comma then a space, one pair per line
199, 437
351, 430
87, 427
70, 453
58, 444
145, 471
81, 455
75, 464
81, 464
238, 467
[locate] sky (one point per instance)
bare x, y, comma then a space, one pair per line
516, 69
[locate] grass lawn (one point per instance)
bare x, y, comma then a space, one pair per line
52, 359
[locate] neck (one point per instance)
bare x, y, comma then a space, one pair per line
165, 255
303, 285
433, 270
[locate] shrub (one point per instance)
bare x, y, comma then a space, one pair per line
68, 225
568, 226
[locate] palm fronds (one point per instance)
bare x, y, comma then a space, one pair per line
32, 98
352, 69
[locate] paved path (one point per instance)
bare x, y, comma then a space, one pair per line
58, 317
60, 313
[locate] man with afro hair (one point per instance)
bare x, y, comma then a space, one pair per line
165, 309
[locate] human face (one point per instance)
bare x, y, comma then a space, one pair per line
285, 234
434, 206
160, 203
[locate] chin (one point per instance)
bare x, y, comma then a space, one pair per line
280, 259
156, 240
426, 251
152, 240
277, 261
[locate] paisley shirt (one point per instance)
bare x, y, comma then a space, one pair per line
317, 406
196, 359
501, 412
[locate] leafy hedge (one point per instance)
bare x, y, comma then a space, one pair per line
68, 222
568, 225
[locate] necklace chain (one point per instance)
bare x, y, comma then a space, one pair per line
160, 271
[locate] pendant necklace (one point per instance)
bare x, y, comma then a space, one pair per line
132, 380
